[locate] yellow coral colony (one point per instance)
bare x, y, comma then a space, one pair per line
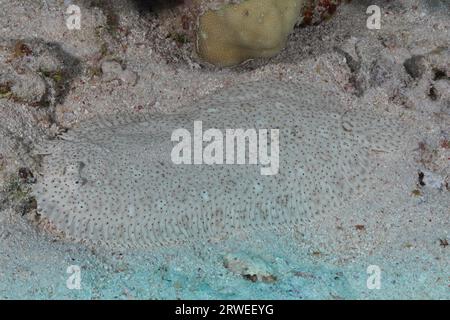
251, 29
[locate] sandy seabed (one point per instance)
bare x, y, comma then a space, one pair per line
401, 228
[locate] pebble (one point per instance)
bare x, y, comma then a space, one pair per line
250, 267
29, 87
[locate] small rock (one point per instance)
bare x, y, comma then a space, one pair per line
415, 66
442, 88
250, 267
433, 180
111, 70
129, 77
47, 63
29, 87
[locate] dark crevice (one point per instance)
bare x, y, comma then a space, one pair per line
440, 75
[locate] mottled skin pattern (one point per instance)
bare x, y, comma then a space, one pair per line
113, 181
